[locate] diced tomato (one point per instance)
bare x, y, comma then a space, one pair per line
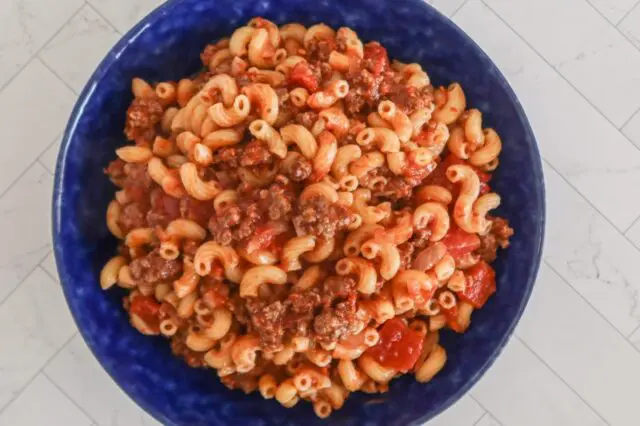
147, 309
377, 58
302, 75
481, 283
460, 243
399, 346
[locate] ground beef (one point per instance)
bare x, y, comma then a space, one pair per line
267, 321
319, 217
307, 119
180, 349
337, 288
227, 158
164, 209
152, 269
320, 49
396, 189
115, 171
406, 254
222, 226
142, 117
198, 211
132, 216
278, 200
256, 153
137, 183
336, 323
498, 236
244, 382
409, 99
420, 238
300, 169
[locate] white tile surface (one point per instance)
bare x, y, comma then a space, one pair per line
569, 130
584, 47
124, 14
80, 376
576, 360
18, 213
75, 51
465, 411
29, 118
26, 26
613, 10
43, 404
630, 26
577, 343
536, 395
37, 323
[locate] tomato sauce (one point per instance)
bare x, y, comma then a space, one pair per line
302, 75
399, 346
147, 309
481, 284
438, 177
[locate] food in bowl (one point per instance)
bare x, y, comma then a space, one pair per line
304, 215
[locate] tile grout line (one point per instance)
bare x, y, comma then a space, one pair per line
539, 55
113, 27
44, 166
486, 410
628, 13
52, 71
71, 400
561, 379
600, 314
458, 9
49, 274
632, 333
485, 415
37, 52
584, 197
615, 26
636, 112
631, 226
41, 369
28, 274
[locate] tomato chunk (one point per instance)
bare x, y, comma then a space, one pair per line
460, 243
376, 58
481, 283
302, 75
147, 309
399, 346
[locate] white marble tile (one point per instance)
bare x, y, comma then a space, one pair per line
26, 27
635, 338
82, 378
124, 14
43, 404
569, 131
25, 227
613, 10
446, 7
630, 26
595, 360
584, 47
76, 50
535, 395
50, 156
35, 107
34, 323
588, 252
465, 412
488, 420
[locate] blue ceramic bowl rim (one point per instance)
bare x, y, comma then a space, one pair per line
112, 57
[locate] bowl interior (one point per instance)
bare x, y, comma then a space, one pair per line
166, 45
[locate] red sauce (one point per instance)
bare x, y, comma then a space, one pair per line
377, 57
481, 283
460, 243
147, 309
198, 211
399, 346
302, 75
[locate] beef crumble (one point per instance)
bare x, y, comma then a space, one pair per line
319, 217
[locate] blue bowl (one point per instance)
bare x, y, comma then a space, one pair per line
166, 45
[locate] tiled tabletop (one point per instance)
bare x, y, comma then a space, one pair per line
575, 358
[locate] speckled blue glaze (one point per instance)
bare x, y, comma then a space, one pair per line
166, 45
